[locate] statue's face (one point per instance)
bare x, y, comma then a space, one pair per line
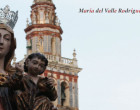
5, 42
35, 66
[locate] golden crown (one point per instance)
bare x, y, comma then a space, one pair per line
8, 17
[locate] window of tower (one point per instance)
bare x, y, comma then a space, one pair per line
63, 94
42, 17
53, 45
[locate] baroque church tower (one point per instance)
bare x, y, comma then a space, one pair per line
43, 35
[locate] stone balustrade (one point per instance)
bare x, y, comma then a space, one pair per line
60, 60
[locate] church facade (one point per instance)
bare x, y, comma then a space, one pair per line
43, 35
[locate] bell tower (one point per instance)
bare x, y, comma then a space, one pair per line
43, 34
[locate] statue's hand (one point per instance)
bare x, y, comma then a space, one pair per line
46, 83
19, 68
19, 72
50, 83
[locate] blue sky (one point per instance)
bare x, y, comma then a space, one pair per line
107, 47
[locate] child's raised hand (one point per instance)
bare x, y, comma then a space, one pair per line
19, 68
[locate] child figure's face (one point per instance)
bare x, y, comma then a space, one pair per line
35, 66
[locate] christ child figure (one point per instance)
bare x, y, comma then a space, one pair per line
34, 92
